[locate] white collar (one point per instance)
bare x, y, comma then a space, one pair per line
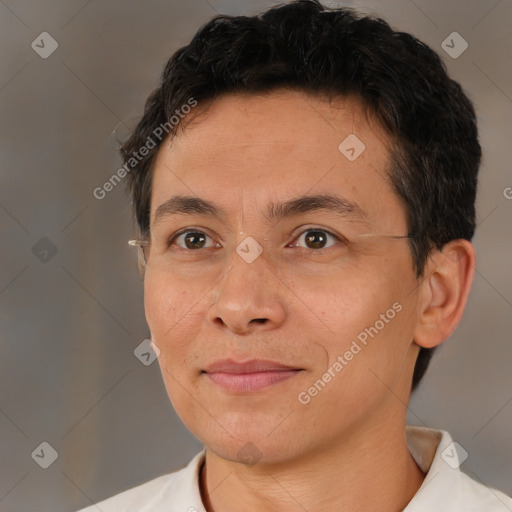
445, 486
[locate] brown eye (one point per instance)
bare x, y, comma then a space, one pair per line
193, 240
315, 239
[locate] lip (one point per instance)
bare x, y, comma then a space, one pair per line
249, 376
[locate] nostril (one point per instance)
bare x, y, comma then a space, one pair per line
219, 321
259, 320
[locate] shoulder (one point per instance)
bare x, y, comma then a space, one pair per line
166, 493
446, 487
477, 497
138, 498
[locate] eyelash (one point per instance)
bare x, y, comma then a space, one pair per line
337, 238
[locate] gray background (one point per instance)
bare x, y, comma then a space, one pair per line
71, 320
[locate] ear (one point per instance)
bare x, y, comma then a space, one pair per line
444, 292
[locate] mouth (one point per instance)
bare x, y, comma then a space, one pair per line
249, 376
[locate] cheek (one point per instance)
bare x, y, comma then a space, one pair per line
174, 317
159, 304
173, 313
370, 312
346, 301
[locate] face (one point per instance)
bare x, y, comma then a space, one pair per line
258, 255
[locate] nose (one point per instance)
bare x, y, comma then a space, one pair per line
248, 298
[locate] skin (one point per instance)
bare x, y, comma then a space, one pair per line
303, 307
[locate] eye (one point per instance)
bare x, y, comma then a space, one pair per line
193, 240
316, 239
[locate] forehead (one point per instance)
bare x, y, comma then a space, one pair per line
283, 117
274, 147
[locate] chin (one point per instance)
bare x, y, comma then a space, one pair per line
249, 451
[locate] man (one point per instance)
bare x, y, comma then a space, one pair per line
304, 183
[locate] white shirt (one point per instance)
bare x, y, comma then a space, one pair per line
445, 488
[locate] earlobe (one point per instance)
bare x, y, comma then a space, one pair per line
444, 292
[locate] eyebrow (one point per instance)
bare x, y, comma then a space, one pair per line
186, 205
303, 204
321, 202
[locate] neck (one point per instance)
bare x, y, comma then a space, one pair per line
373, 470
